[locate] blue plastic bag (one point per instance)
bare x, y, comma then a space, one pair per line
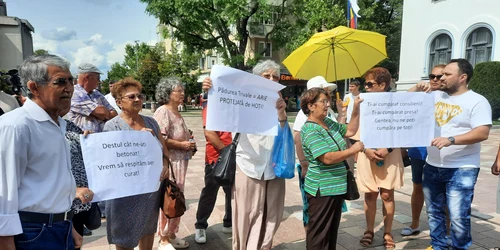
283, 154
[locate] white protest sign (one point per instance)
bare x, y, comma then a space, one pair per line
122, 163
242, 102
394, 120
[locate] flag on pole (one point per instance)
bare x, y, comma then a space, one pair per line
352, 13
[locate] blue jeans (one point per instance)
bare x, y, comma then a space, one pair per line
452, 188
55, 235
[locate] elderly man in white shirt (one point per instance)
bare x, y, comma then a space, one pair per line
38, 187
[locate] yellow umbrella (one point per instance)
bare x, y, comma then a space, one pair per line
337, 54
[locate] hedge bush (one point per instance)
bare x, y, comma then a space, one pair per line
486, 81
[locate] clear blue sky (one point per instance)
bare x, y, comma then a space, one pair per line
94, 31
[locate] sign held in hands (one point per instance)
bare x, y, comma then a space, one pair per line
242, 102
393, 120
122, 163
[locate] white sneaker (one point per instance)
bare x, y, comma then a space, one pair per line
200, 236
227, 230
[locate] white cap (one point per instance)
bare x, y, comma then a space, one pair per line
320, 82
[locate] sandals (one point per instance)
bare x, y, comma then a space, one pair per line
179, 243
367, 238
389, 243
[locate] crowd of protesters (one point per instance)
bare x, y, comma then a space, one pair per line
45, 200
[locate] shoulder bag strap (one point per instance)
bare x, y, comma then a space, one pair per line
338, 146
236, 138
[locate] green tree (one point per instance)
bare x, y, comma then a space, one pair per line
40, 52
115, 73
220, 25
134, 55
311, 16
225, 25
486, 81
149, 70
184, 65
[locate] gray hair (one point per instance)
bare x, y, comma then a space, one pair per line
165, 87
264, 66
34, 68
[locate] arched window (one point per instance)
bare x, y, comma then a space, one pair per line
440, 51
479, 45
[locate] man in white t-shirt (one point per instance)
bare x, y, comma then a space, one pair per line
463, 121
349, 98
300, 120
111, 99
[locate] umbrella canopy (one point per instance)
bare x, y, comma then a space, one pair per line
337, 54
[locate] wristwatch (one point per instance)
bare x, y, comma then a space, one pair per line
451, 139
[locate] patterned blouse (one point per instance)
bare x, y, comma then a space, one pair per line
316, 141
173, 127
73, 133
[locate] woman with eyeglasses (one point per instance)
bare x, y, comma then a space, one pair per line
379, 171
132, 220
258, 196
326, 180
170, 94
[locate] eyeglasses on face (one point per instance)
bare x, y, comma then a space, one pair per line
132, 97
370, 84
325, 102
63, 81
271, 77
180, 91
432, 76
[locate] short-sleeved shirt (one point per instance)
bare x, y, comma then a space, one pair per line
211, 153
457, 115
330, 179
82, 106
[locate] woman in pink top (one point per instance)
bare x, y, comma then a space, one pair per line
169, 94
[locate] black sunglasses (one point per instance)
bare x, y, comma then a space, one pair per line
370, 84
432, 76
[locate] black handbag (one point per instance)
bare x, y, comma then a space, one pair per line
93, 221
224, 169
352, 192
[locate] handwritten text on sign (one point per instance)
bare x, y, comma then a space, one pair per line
392, 120
122, 163
242, 102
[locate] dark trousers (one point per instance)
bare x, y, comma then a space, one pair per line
324, 220
208, 197
41, 236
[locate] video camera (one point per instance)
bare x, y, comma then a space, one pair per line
12, 80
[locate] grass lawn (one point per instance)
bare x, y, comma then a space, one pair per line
496, 122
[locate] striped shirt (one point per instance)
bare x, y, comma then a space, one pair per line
316, 141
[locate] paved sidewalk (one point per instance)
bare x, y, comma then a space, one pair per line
291, 235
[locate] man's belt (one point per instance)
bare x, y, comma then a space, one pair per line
31, 217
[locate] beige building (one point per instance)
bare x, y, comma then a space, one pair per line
16, 42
